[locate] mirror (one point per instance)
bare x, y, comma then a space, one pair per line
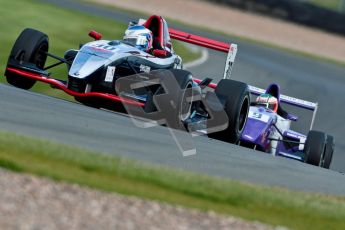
292, 117
95, 35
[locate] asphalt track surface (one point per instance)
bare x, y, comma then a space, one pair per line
38, 115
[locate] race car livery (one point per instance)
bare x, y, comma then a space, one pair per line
99, 70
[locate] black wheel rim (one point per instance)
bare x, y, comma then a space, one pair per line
186, 106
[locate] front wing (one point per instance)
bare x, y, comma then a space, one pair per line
63, 86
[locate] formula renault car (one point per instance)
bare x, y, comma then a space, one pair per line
268, 130
95, 70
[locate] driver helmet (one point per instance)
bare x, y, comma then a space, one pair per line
139, 37
267, 101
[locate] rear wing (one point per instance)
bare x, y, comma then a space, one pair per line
230, 49
312, 106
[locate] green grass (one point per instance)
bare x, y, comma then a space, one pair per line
66, 30
273, 206
330, 4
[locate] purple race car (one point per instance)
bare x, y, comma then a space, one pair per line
268, 129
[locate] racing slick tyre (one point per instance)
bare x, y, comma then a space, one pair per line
235, 98
183, 108
314, 147
185, 81
329, 149
30, 47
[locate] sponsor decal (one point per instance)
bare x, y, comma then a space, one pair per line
144, 68
109, 76
293, 135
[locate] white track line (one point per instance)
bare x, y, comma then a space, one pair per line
199, 61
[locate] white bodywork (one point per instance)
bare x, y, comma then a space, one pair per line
96, 54
283, 125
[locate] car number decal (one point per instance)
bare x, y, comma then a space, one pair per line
105, 47
258, 116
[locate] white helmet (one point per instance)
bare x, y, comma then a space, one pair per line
139, 37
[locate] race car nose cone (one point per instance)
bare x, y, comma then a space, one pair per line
261, 109
253, 131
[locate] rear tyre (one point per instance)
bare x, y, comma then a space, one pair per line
183, 109
314, 147
329, 149
30, 47
235, 97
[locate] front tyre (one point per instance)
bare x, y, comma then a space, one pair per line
314, 147
31, 47
235, 97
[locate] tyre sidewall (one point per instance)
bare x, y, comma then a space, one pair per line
235, 97
329, 149
314, 147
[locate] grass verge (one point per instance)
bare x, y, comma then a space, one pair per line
273, 206
330, 4
66, 30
